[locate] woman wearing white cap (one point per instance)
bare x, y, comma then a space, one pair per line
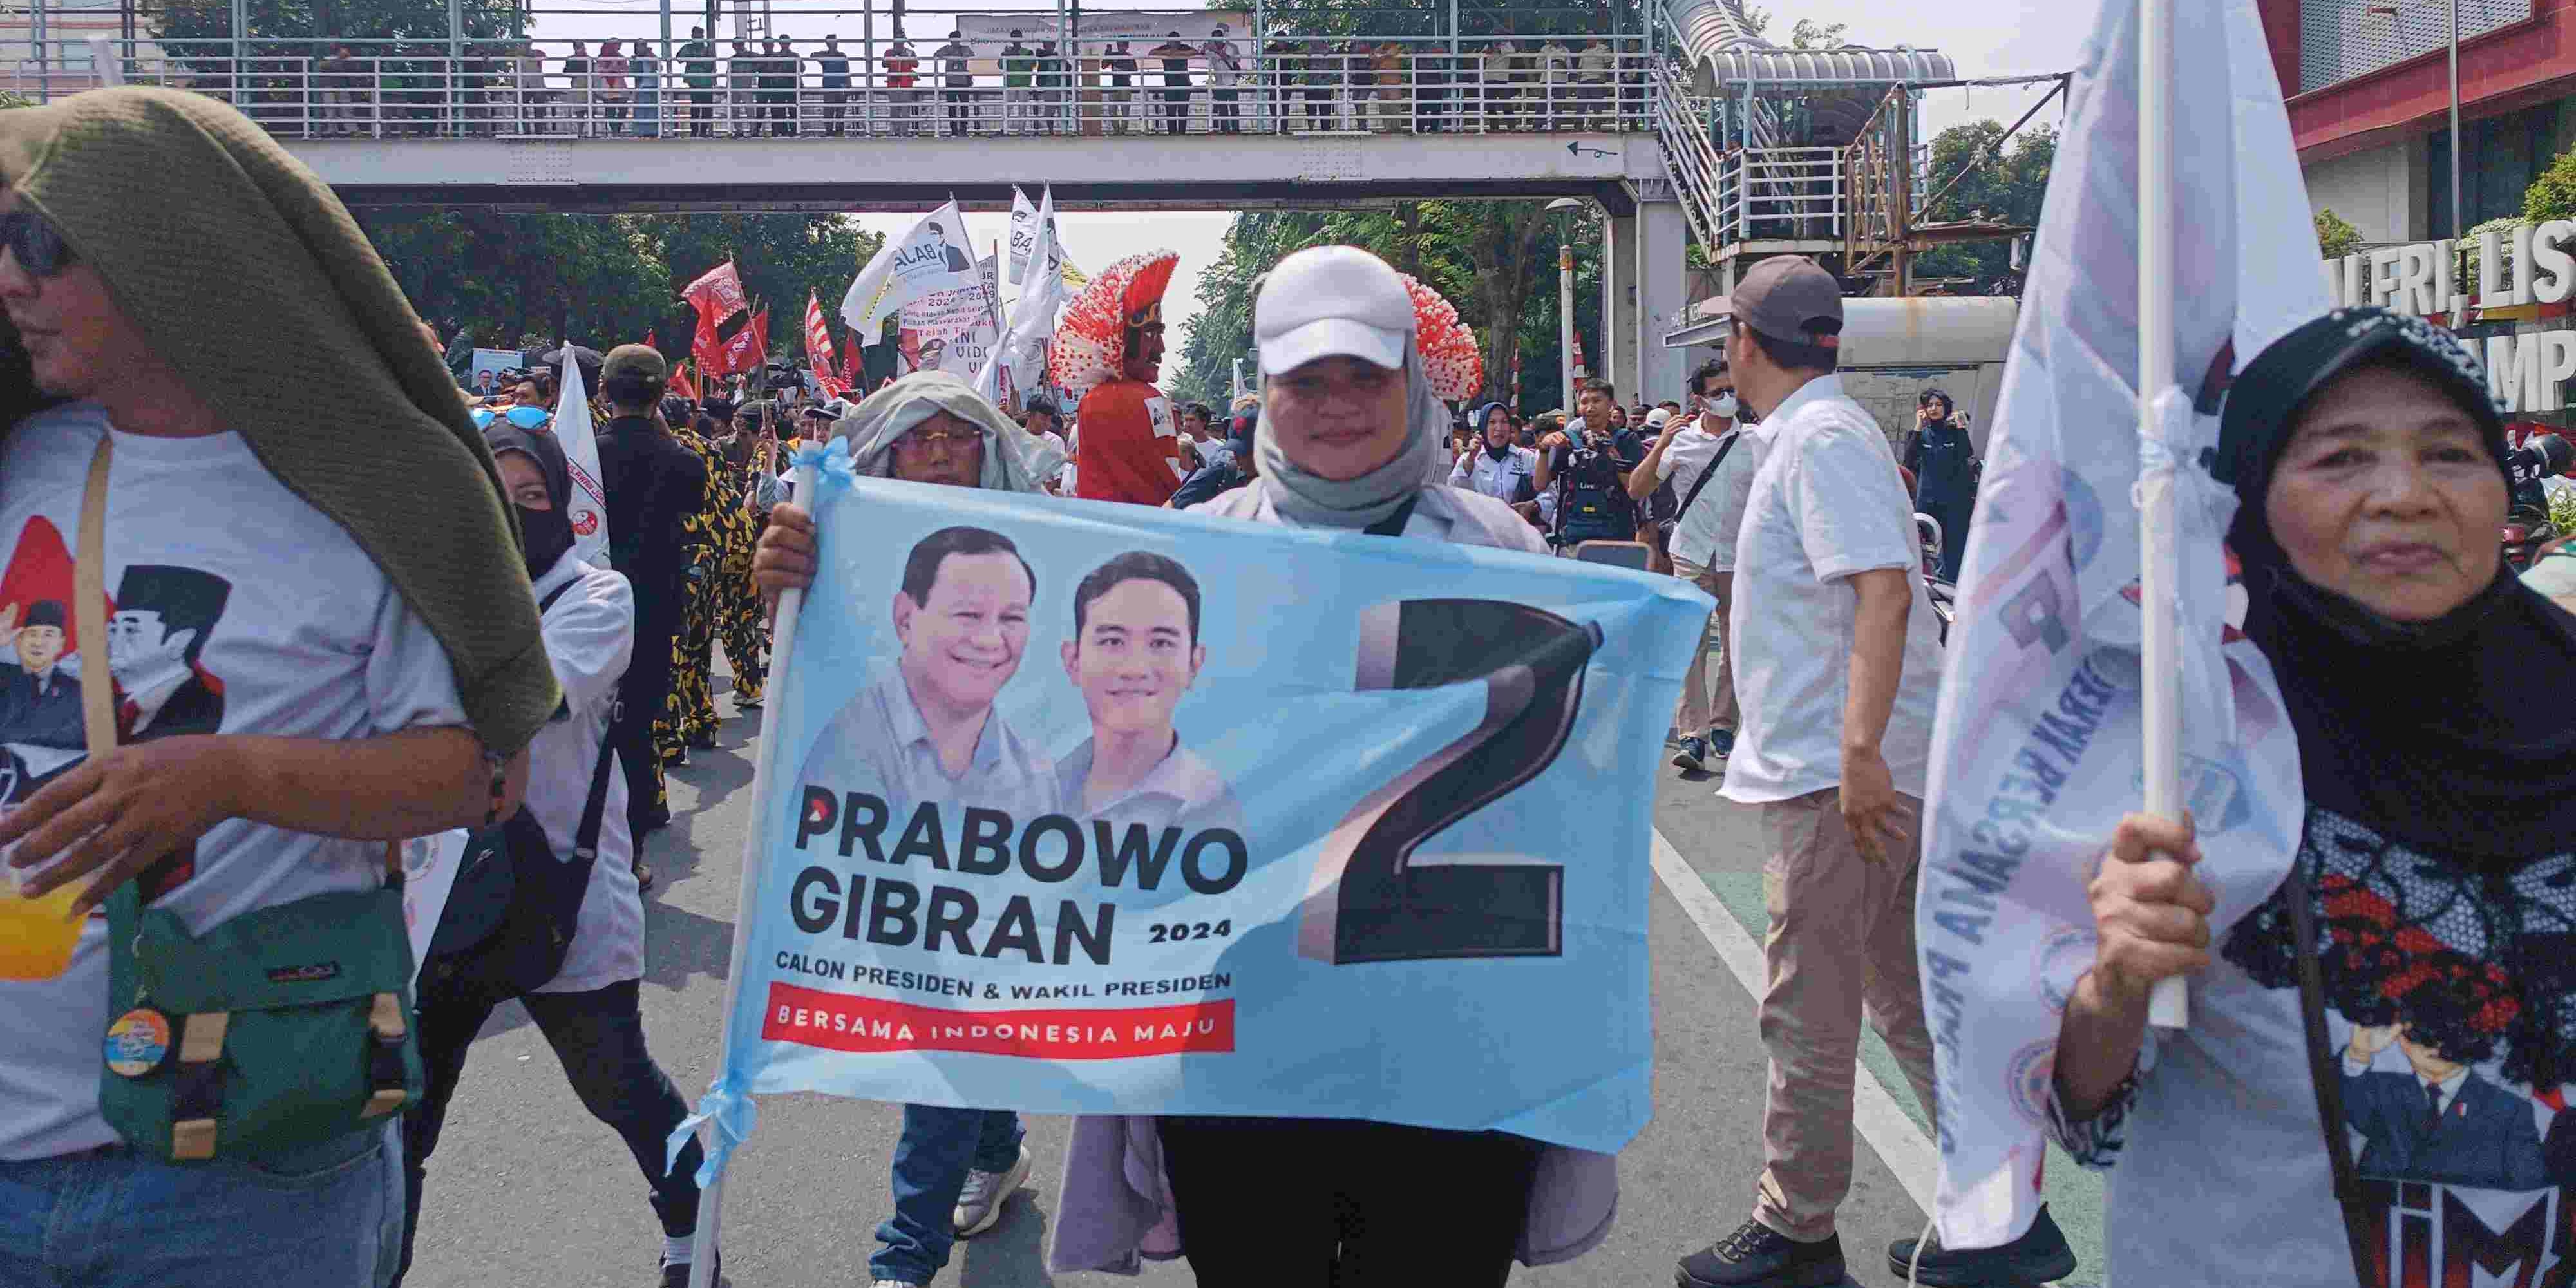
1356, 429
1353, 435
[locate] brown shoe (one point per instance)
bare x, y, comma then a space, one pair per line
643, 877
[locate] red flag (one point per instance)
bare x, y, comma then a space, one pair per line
649, 342
680, 381
818, 347
853, 371
706, 349
717, 295
749, 346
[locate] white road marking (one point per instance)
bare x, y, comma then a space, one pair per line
1885, 1125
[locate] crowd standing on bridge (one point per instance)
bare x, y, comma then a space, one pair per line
1211, 81
304, 666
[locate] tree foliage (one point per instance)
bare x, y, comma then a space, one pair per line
528, 280
1491, 259
180, 23
2553, 194
2335, 238
2007, 188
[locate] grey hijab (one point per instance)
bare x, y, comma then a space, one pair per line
1014, 459
1304, 498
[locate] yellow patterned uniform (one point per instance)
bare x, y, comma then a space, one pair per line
741, 619
689, 718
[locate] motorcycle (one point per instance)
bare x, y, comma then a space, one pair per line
1945, 595
2527, 528
2526, 533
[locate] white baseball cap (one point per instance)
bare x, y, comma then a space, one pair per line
1331, 302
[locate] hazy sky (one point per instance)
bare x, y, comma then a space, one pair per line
1983, 37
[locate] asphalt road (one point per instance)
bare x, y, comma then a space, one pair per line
527, 1189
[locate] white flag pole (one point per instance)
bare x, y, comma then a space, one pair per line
2169, 1006
782, 648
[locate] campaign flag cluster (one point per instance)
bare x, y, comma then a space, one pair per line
2037, 749
1027, 221
1019, 362
1381, 857
930, 258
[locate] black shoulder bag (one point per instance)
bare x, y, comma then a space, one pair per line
511, 916
2325, 1072
1702, 481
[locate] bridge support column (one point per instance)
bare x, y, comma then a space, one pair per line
1645, 290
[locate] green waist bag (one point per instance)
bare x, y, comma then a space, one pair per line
276, 1030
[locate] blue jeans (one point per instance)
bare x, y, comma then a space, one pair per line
329, 1216
939, 1144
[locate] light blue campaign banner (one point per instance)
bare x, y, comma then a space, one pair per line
1079, 807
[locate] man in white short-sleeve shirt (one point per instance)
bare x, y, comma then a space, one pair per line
1840, 664
1703, 545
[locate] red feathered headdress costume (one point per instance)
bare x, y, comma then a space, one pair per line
1450, 358
1091, 339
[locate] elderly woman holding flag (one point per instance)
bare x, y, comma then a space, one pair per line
2409, 985
954, 1167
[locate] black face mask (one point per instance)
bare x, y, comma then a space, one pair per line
544, 534
547, 534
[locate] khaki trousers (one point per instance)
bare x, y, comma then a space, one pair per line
1698, 713
1840, 949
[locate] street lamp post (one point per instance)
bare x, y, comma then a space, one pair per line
1565, 299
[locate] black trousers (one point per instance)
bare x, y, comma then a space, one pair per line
641, 694
1302, 1202
702, 110
1229, 115
599, 1037
1176, 111
961, 109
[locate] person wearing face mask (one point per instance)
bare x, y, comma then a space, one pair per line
589, 1011
2438, 1037
1709, 461
1352, 430
1496, 466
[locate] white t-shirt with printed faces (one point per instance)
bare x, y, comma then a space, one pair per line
1826, 503
235, 607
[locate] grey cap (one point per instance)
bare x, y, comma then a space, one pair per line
1786, 297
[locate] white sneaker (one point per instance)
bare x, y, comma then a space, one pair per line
979, 1205
893, 1283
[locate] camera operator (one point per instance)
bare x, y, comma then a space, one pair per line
1588, 464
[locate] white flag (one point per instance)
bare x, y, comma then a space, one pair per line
1023, 347
2037, 749
581, 451
1024, 232
930, 257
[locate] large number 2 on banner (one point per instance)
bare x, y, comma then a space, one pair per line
1370, 902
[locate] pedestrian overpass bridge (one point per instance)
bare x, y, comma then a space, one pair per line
1694, 131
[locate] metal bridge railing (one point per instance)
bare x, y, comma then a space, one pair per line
1486, 86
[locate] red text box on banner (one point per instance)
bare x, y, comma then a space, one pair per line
839, 1022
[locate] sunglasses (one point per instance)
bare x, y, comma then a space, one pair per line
37, 244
